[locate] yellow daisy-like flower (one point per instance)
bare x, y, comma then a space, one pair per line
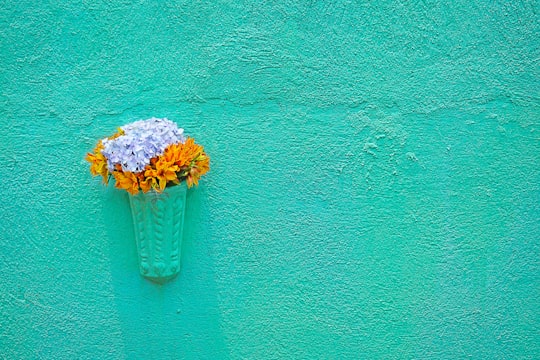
120, 132
186, 160
182, 154
201, 167
98, 163
127, 181
147, 183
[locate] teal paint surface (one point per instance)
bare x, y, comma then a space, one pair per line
374, 191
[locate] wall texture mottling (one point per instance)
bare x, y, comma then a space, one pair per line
374, 192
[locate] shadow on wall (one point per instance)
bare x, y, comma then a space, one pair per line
176, 318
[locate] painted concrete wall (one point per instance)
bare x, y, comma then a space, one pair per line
374, 193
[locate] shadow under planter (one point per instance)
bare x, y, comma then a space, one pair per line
159, 222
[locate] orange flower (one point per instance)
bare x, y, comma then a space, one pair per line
203, 164
200, 168
190, 159
166, 170
182, 154
98, 163
117, 134
158, 180
158, 174
127, 181
146, 183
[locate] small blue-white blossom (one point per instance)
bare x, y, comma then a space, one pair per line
142, 140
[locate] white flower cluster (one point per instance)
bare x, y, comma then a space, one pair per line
141, 141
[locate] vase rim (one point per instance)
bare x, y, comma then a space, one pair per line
168, 189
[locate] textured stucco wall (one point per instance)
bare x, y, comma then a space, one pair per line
374, 193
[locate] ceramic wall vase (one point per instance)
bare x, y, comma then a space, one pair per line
159, 225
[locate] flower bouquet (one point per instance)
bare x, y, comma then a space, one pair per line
155, 163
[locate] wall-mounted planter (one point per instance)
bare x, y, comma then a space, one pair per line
159, 224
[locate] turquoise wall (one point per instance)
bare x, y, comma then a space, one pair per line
374, 192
